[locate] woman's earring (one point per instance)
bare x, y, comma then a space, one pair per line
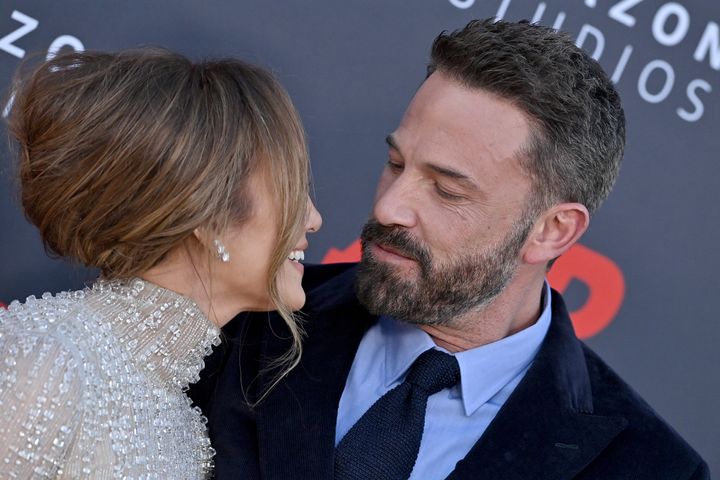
222, 254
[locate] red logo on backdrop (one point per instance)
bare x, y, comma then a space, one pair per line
350, 254
602, 276
605, 283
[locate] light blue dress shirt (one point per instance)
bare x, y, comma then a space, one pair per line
456, 417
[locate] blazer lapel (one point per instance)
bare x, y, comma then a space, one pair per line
547, 428
296, 422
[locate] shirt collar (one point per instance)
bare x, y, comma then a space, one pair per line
484, 370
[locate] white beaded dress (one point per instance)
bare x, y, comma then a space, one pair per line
92, 385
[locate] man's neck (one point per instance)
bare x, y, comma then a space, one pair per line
516, 308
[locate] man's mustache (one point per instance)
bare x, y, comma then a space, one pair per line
398, 239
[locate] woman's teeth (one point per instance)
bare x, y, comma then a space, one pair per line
297, 256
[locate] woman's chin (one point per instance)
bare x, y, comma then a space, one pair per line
291, 291
295, 299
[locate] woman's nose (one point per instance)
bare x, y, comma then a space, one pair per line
314, 219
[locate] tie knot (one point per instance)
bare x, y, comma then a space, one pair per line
434, 370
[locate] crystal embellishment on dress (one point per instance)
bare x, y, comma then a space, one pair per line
92, 384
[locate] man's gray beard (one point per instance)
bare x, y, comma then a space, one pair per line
439, 294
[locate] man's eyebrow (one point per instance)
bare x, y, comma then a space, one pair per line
453, 174
444, 171
447, 172
392, 143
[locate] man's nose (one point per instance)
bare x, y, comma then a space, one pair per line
396, 203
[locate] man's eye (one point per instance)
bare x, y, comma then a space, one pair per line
394, 166
449, 196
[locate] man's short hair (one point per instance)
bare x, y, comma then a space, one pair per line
578, 122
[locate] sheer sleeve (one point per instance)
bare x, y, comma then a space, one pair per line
40, 402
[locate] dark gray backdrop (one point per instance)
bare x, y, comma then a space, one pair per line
351, 68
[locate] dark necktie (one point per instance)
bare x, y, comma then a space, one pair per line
384, 443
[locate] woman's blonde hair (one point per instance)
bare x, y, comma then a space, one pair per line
123, 155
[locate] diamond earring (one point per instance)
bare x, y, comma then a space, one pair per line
222, 254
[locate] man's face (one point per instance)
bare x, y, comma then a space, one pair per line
450, 214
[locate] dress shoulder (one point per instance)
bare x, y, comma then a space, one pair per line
41, 380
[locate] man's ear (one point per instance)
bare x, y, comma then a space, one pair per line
555, 231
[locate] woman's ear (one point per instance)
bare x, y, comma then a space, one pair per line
203, 237
557, 229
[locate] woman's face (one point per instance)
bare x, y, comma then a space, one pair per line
251, 245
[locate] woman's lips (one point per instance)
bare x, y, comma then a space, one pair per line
300, 267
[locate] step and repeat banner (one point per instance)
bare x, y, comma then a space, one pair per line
642, 285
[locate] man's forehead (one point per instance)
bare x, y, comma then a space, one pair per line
446, 107
457, 127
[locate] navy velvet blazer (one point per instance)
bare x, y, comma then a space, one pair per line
570, 417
